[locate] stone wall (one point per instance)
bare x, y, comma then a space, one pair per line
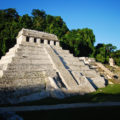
33, 36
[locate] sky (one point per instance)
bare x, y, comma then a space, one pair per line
102, 16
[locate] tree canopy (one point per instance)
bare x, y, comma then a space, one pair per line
80, 42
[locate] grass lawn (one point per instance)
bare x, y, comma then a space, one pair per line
110, 89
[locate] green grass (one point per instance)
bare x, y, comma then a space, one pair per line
110, 89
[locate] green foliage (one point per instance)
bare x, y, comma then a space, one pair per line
103, 52
26, 21
56, 25
116, 56
80, 42
39, 22
8, 29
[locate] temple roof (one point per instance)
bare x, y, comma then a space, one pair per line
37, 34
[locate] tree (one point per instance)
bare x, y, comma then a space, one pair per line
26, 21
80, 42
103, 52
9, 28
39, 22
56, 25
116, 56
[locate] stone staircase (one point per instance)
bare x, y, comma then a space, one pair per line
81, 72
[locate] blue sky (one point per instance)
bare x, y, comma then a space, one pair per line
103, 16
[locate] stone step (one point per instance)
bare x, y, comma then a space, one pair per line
62, 52
9, 74
57, 48
24, 86
78, 68
75, 63
89, 73
8, 56
33, 57
31, 44
3, 66
13, 48
32, 61
24, 60
29, 67
6, 61
30, 52
40, 57
67, 59
83, 81
98, 81
24, 82
29, 57
19, 53
31, 48
66, 55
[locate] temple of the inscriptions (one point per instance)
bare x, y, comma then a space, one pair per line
37, 65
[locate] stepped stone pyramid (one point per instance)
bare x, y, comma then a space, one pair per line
37, 64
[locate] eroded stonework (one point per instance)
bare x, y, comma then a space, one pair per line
37, 66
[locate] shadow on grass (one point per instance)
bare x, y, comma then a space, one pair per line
73, 114
74, 99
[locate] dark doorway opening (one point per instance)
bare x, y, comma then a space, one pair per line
27, 39
35, 40
42, 41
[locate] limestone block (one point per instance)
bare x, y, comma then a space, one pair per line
51, 42
38, 40
57, 44
111, 62
98, 81
31, 40
1, 73
45, 42
21, 39
35, 61
37, 34
29, 67
83, 82
6, 61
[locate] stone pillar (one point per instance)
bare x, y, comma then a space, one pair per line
38, 40
31, 40
51, 42
57, 44
45, 42
111, 62
21, 39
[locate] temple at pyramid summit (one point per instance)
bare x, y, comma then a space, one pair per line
37, 67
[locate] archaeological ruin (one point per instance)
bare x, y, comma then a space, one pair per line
38, 66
